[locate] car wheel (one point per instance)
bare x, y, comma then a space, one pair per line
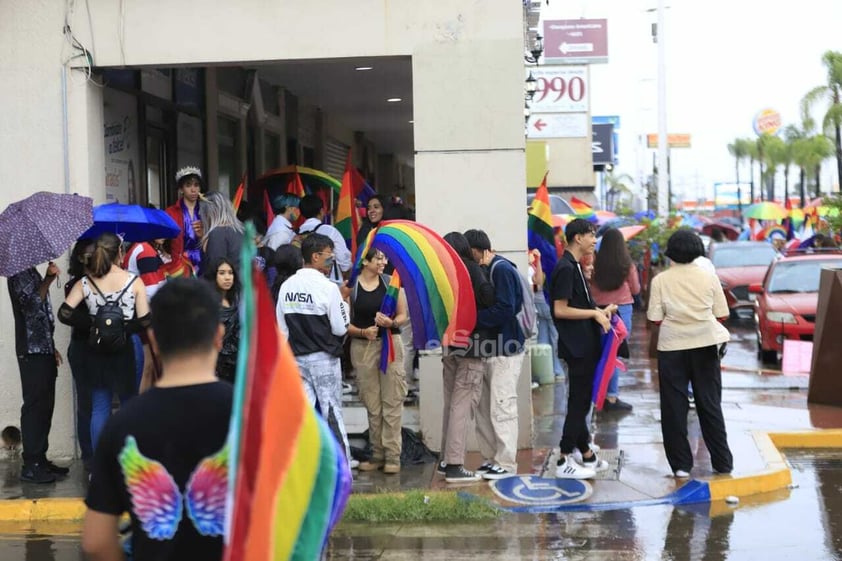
769, 357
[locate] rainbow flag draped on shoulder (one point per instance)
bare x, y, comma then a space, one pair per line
388, 308
540, 232
288, 478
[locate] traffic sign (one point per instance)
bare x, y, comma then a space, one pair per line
575, 41
560, 89
536, 490
557, 125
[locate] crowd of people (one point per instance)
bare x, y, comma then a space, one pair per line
122, 346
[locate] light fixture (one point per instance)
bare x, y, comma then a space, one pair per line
531, 86
411, 122
526, 112
536, 51
394, 100
361, 68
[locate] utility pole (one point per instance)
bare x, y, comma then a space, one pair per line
663, 142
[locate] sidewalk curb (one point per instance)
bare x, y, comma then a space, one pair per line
39, 510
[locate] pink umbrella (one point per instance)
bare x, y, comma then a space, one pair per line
631, 231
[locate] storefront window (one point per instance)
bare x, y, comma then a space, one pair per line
156, 166
227, 142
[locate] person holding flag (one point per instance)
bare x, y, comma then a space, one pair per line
542, 261
378, 309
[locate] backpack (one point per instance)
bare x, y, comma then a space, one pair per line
108, 332
527, 317
299, 238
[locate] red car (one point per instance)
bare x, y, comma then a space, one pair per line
738, 265
786, 301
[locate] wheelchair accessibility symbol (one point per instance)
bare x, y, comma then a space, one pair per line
535, 490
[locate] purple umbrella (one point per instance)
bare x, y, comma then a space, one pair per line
41, 228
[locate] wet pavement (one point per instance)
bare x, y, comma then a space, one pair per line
804, 522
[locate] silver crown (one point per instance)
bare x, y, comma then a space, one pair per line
187, 170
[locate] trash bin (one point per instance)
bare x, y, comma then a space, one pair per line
542, 363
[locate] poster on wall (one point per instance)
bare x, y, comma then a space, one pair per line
121, 147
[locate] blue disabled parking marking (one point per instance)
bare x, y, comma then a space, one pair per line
540, 491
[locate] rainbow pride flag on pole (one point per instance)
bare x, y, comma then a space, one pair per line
388, 308
238, 194
582, 209
540, 232
295, 186
347, 219
288, 477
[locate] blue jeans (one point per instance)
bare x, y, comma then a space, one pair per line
625, 313
547, 333
138, 359
101, 410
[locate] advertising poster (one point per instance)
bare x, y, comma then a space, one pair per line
121, 147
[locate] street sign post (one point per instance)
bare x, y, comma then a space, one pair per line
576, 41
557, 125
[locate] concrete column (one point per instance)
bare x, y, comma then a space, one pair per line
211, 128
470, 170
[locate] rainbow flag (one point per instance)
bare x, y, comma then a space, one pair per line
388, 308
267, 208
347, 219
238, 195
540, 232
581, 208
295, 186
438, 289
288, 478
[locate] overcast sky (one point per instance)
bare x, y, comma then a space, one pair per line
726, 60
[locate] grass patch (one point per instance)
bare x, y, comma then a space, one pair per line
418, 506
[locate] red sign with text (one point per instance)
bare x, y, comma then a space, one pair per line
576, 41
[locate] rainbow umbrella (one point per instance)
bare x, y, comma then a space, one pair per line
631, 231
313, 179
766, 211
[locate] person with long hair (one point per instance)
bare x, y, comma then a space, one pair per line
222, 275
77, 350
382, 393
186, 212
689, 305
615, 281
373, 217
462, 372
104, 282
223, 231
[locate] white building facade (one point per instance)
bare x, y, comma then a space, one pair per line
254, 85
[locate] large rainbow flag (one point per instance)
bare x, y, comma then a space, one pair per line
540, 232
288, 477
438, 288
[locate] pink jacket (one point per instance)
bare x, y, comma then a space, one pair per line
622, 295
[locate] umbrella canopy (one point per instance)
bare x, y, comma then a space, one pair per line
40, 228
631, 231
133, 223
730, 232
604, 216
766, 211
278, 179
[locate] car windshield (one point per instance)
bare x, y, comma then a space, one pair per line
557, 204
800, 276
743, 256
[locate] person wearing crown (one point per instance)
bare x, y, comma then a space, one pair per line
186, 213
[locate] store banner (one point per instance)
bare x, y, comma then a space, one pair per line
122, 156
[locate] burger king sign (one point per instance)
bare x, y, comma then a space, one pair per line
767, 121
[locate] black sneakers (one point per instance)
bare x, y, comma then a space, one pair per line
456, 473
495, 472
617, 405
54, 469
36, 473
441, 468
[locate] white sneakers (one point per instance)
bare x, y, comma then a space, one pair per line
570, 469
681, 474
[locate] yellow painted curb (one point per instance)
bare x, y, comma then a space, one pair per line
777, 474
39, 510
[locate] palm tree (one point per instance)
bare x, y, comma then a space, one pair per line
753, 156
795, 142
739, 150
773, 155
617, 186
791, 133
831, 94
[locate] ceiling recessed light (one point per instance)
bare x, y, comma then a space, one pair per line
394, 99
411, 122
364, 68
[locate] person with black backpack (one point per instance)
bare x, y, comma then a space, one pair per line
117, 307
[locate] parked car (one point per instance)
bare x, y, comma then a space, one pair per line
738, 265
787, 299
557, 204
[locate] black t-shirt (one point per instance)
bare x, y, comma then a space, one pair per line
577, 338
367, 304
163, 459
